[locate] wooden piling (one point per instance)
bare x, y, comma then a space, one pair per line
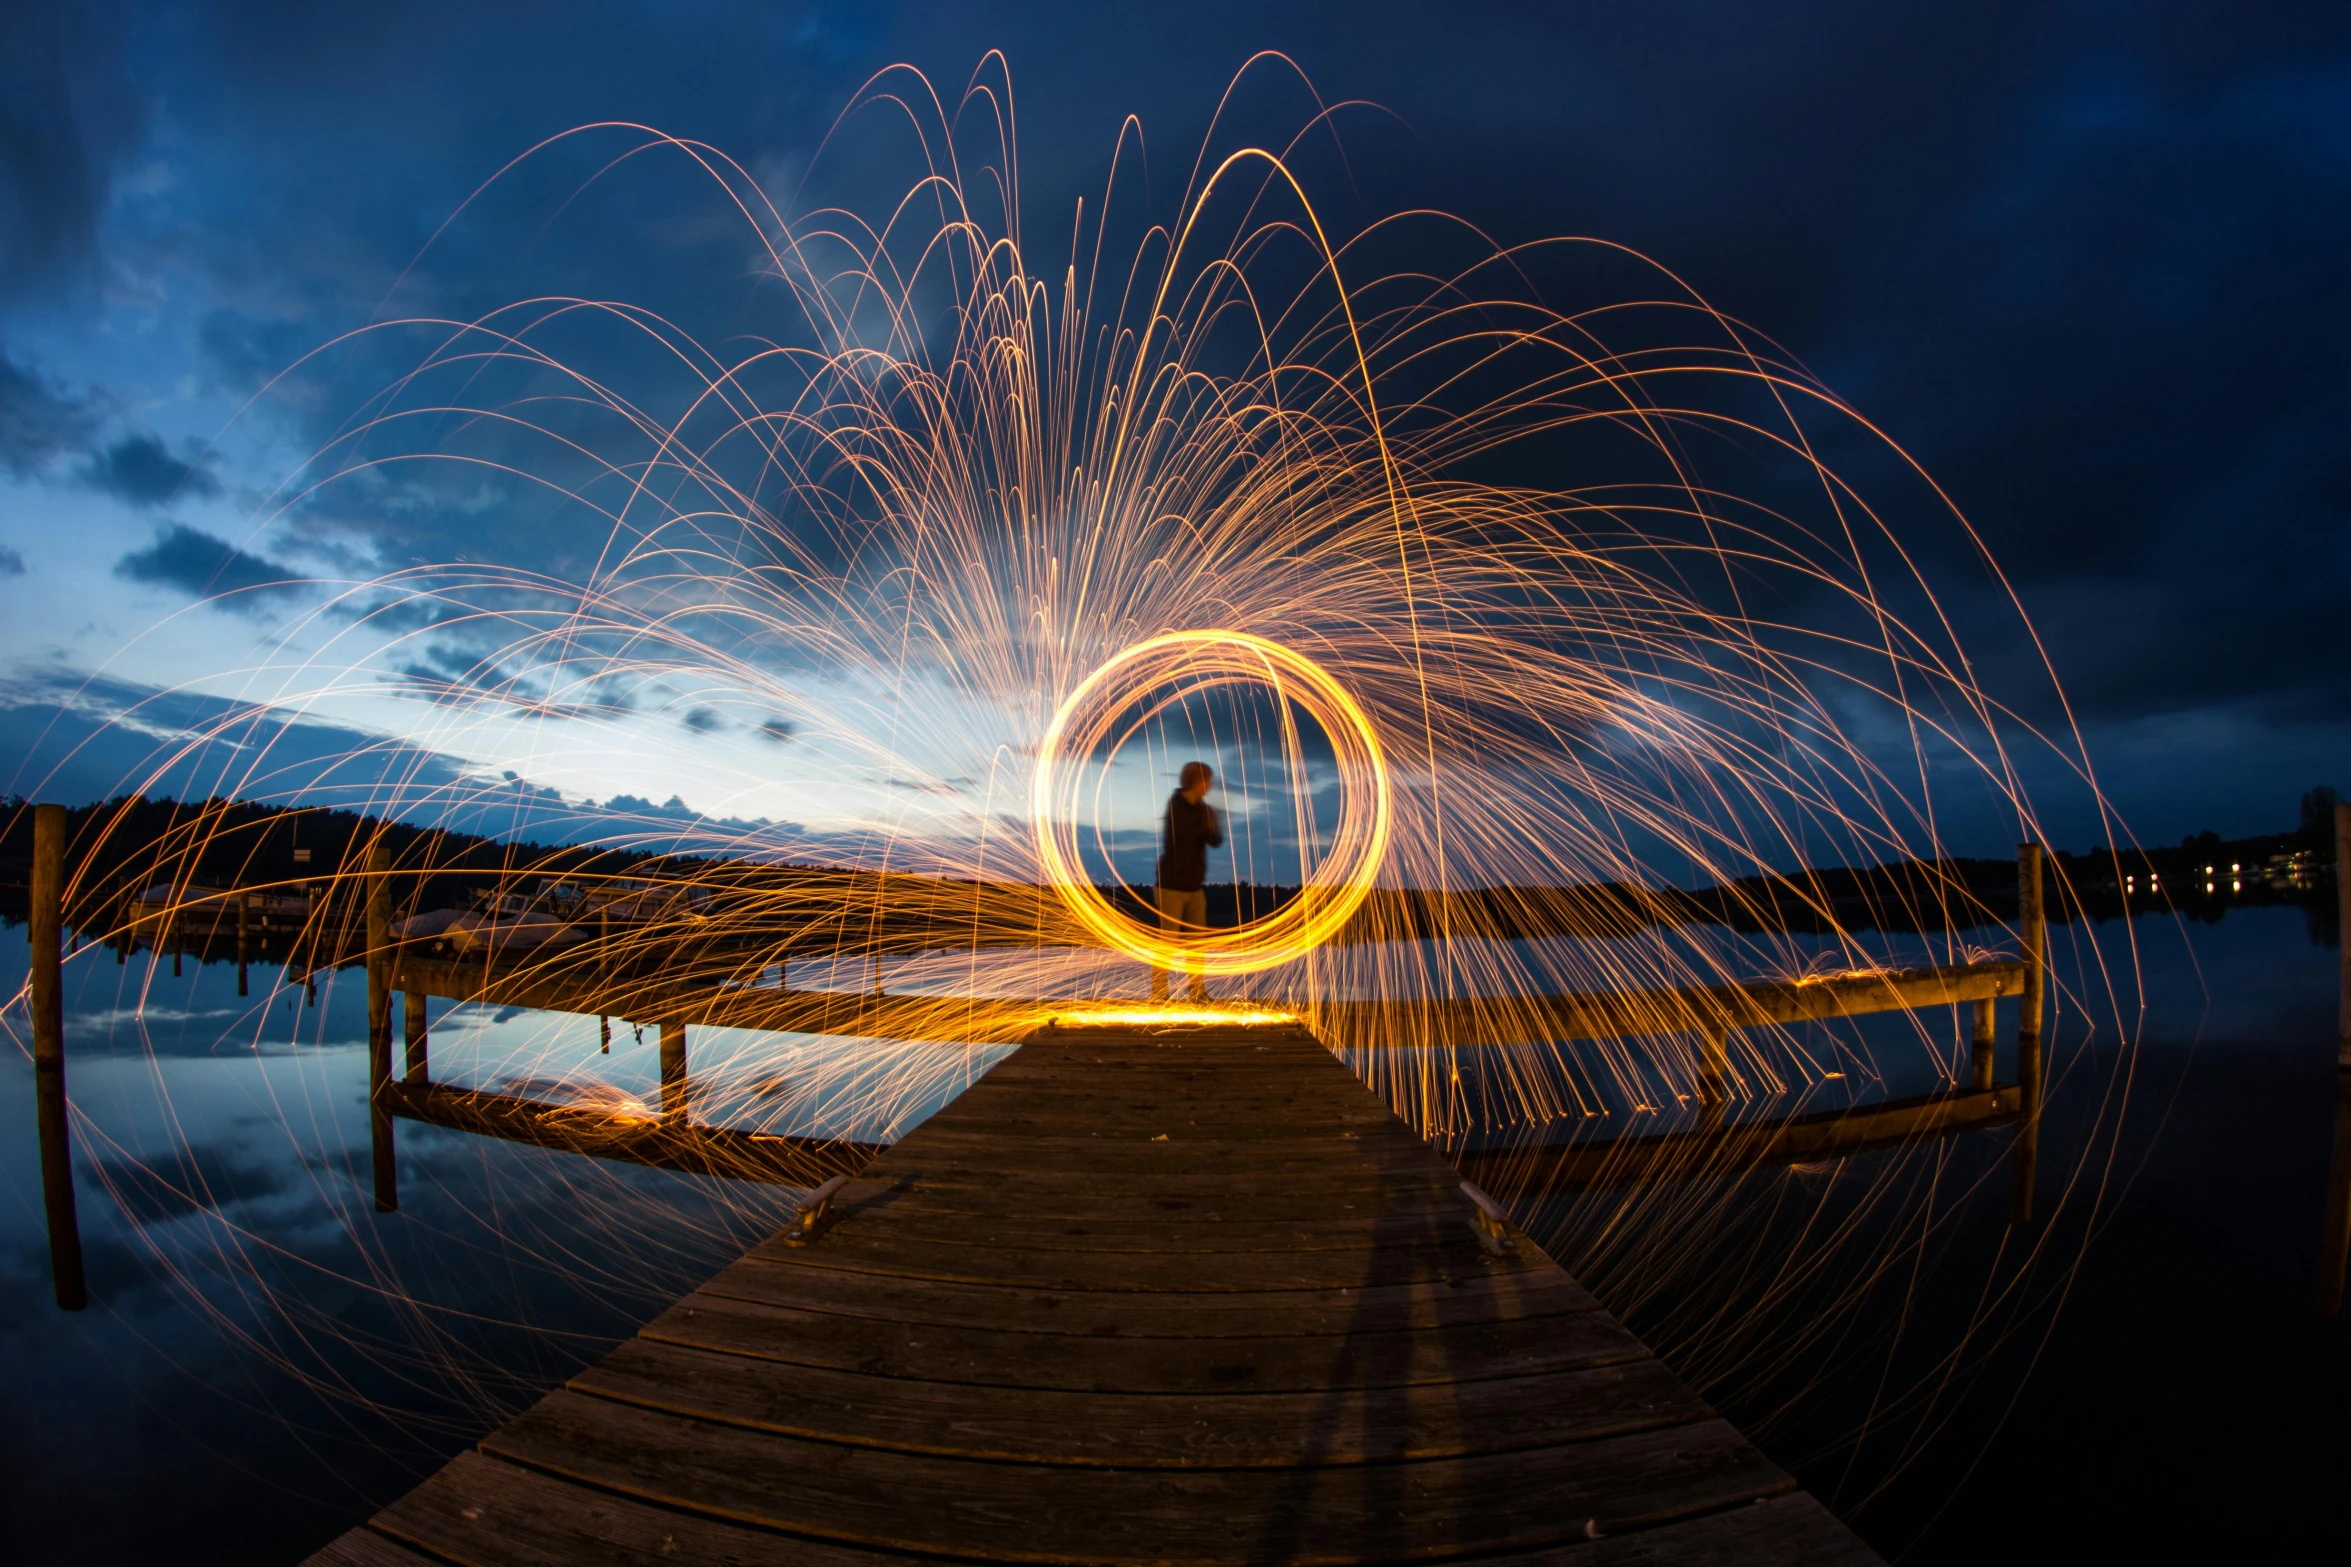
412, 1030
244, 952
2334, 1246
2343, 927
379, 1023
48, 998
1714, 1064
674, 1090
2032, 929
1987, 1043
2334, 1242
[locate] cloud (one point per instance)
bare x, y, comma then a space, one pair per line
636, 808
141, 470
203, 1176
72, 736
777, 730
198, 564
948, 786
703, 720
69, 116
11, 562
39, 421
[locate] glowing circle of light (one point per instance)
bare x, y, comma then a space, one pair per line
1205, 660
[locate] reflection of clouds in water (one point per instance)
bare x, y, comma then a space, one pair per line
107, 1022
208, 1176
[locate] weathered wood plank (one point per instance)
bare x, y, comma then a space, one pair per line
1237, 1118
1200, 1203
665, 1145
1034, 1190
1709, 1153
1488, 1297
1216, 1430
1617, 1014
1065, 1514
1290, 1362
1189, 1297
1139, 1161
1191, 1233
1789, 1531
561, 985
1427, 1251
363, 1547
484, 1512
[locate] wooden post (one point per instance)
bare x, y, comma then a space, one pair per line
244, 953
603, 1034
2032, 930
2334, 1243
379, 1023
1987, 1041
1714, 1064
412, 1030
673, 1071
49, 1107
2343, 926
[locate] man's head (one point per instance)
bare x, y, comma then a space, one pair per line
1197, 776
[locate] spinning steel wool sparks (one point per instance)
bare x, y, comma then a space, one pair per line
1546, 629
1207, 660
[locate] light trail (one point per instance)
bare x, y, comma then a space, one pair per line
1512, 591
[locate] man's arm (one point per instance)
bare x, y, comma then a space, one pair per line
1212, 826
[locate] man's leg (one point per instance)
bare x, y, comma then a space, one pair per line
1195, 914
1170, 915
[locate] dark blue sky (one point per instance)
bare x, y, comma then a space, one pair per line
2083, 261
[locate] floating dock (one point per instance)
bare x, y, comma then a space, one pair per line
1185, 1297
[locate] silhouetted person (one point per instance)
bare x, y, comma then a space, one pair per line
1188, 832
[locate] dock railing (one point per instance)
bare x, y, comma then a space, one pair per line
588, 978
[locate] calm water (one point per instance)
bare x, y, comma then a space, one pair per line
265, 1359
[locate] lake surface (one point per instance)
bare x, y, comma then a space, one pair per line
266, 1360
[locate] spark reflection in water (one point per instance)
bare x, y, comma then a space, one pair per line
1581, 594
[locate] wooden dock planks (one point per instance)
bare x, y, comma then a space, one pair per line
1180, 1299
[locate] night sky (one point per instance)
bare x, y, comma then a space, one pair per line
2085, 262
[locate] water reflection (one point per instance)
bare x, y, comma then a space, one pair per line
267, 1359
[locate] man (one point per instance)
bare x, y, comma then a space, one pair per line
1189, 831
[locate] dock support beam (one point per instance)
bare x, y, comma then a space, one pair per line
2032, 929
412, 1035
244, 951
673, 1071
2334, 1244
2343, 929
48, 987
1987, 1044
1714, 1064
379, 1024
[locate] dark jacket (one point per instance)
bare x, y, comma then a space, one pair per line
1185, 838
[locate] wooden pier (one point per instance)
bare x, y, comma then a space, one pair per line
1185, 1297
